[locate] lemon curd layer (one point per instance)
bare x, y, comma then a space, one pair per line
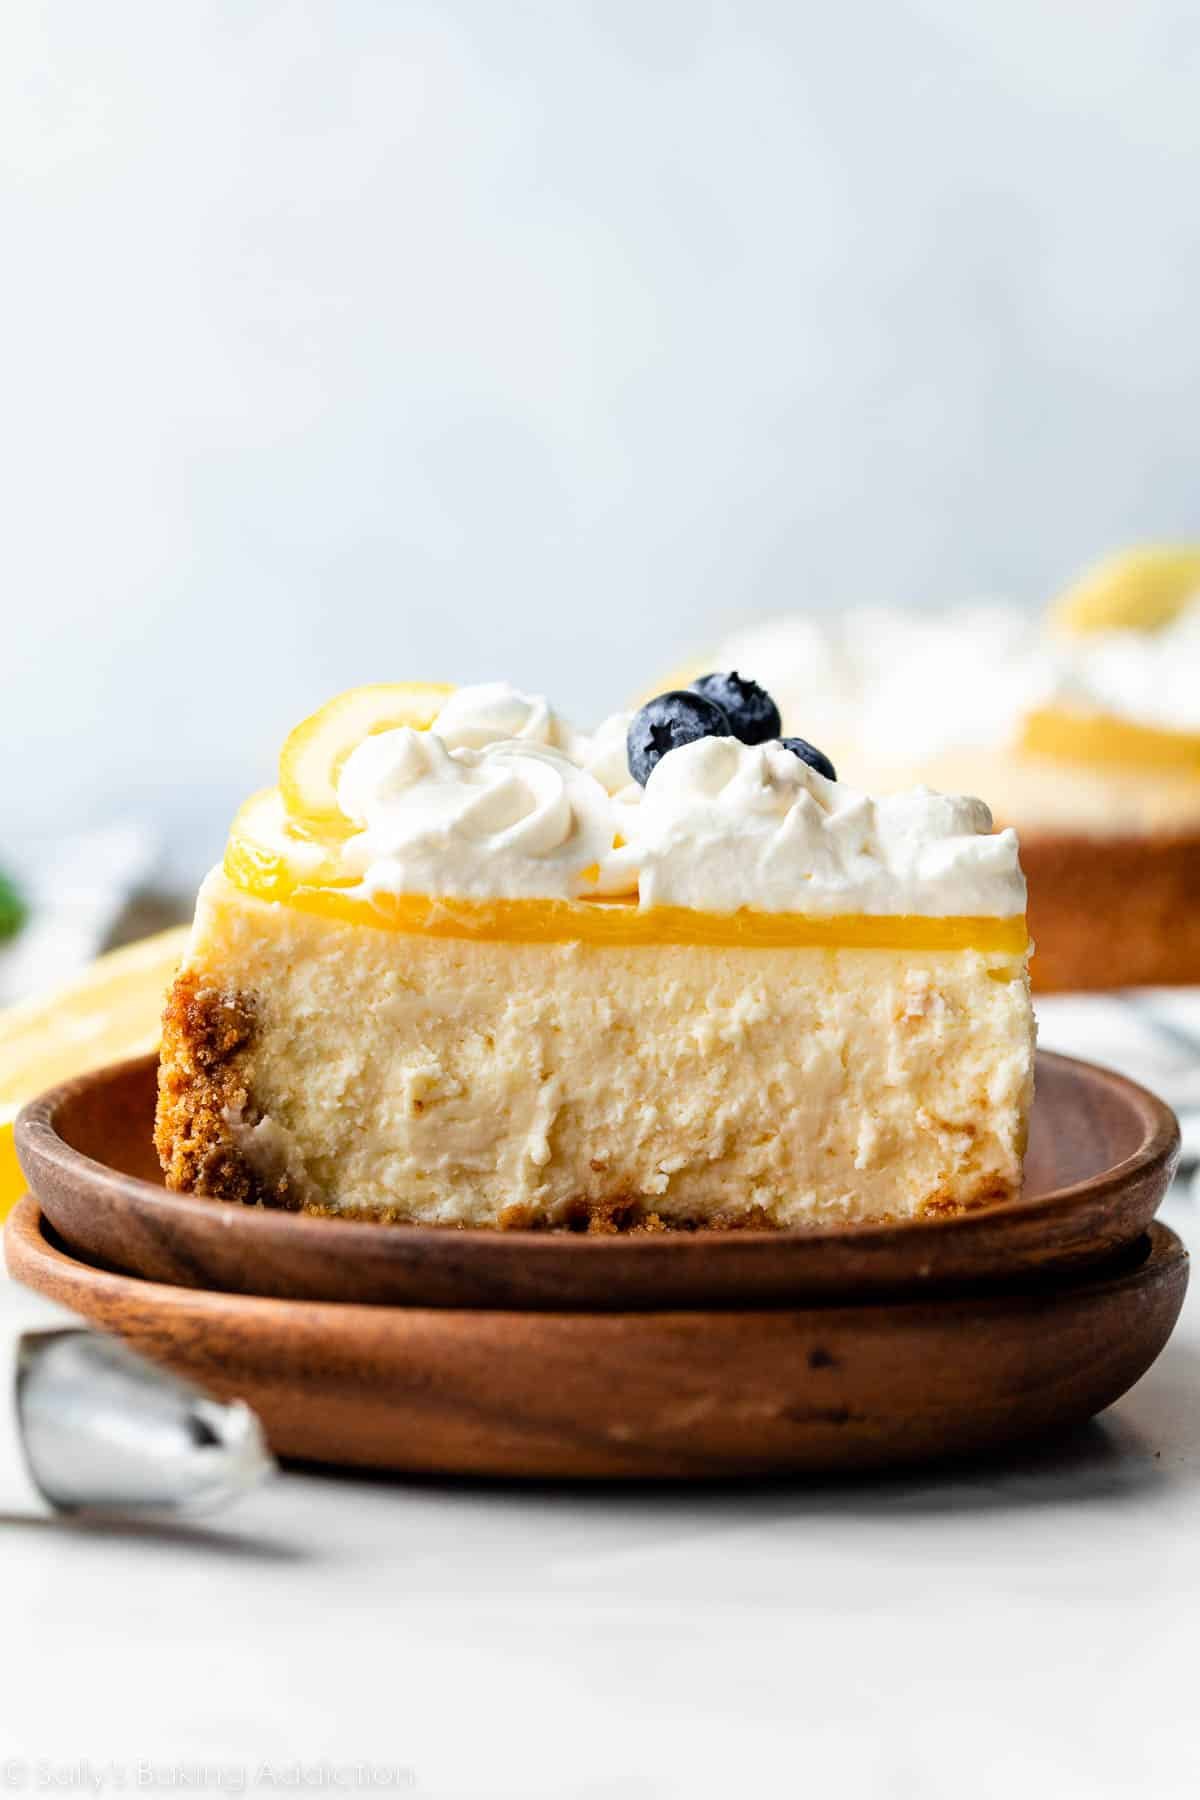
1096, 737
624, 922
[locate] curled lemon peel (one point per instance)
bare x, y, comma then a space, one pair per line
313, 755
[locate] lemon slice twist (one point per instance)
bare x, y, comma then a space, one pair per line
313, 755
1133, 590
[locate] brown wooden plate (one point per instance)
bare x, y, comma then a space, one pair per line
642, 1394
1102, 1152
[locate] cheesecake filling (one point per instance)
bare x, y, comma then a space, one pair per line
478, 1082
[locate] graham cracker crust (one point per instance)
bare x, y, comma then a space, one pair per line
202, 1085
1113, 912
631, 1218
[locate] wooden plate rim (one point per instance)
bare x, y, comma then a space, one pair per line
679, 1393
30, 1242
39, 1144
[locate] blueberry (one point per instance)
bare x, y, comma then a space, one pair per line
808, 753
667, 723
753, 715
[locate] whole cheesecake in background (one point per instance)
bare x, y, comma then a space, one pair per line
1082, 730
461, 969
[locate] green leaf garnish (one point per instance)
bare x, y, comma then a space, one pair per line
12, 909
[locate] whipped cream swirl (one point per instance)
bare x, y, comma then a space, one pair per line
724, 825
492, 712
511, 820
885, 690
720, 824
605, 755
1147, 677
877, 686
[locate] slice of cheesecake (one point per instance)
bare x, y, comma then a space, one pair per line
503, 985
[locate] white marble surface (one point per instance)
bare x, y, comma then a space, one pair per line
1019, 1630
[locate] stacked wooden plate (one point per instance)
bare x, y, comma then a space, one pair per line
677, 1355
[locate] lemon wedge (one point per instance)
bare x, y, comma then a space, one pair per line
1133, 590
112, 1010
312, 757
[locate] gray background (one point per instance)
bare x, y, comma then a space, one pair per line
364, 340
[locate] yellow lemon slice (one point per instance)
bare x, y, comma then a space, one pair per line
110, 1011
1133, 590
269, 855
312, 757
